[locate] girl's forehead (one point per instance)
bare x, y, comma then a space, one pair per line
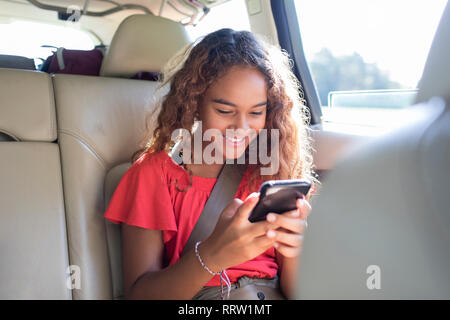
240, 79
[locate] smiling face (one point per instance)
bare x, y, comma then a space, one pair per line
236, 105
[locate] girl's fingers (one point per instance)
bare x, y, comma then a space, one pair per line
247, 206
287, 251
264, 242
304, 207
290, 223
260, 228
293, 213
285, 238
294, 220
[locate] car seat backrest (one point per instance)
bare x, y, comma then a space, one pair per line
381, 227
101, 121
94, 135
435, 77
33, 243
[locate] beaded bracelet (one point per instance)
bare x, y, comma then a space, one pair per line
223, 274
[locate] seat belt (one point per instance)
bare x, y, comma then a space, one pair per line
223, 192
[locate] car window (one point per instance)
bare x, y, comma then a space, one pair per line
36, 40
366, 57
231, 14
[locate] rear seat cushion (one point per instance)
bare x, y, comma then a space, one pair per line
33, 250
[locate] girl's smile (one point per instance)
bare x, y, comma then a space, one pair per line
236, 105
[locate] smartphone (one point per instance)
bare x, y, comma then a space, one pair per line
279, 196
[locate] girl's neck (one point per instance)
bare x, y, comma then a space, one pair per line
203, 169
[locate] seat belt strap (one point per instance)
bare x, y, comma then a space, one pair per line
223, 192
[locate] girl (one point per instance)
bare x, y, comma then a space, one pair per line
225, 80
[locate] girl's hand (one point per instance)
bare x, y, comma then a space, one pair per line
236, 240
289, 228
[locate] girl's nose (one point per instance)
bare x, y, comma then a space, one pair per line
242, 122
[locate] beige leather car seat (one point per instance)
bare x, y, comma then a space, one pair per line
380, 228
33, 245
100, 124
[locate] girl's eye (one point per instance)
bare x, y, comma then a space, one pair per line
223, 111
257, 113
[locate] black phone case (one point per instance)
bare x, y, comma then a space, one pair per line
279, 196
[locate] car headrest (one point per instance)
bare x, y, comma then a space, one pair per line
435, 80
27, 111
143, 42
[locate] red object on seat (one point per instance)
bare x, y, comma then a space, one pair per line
75, 62
84, 63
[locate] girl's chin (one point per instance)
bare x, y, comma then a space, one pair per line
234, 153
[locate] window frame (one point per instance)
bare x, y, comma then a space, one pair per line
289, 38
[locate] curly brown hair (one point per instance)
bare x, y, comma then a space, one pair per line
192, 71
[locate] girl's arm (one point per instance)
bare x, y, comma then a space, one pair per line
289, 268
233, 241
144, 276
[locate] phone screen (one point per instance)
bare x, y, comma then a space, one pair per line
279, 196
